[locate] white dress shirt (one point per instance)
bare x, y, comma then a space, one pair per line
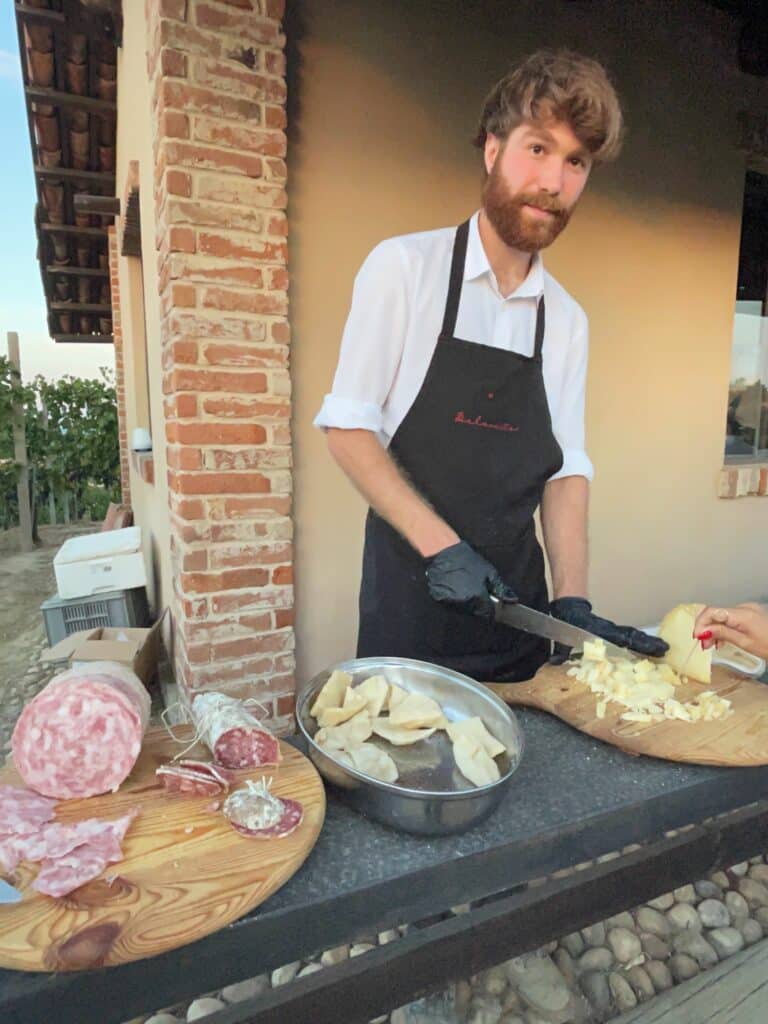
397, 311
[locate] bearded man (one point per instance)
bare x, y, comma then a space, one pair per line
457, 407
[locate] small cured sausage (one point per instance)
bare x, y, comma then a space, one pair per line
81, 735
185, 780
235, 737
256, 812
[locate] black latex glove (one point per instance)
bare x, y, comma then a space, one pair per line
459, 577
578, 612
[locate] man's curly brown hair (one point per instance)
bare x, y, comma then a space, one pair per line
557, 85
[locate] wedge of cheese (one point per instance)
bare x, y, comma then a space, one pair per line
352, 705
685, 653
416, 712
332, 693
397, 734
474, 763
368, 759
374, 690
396, 696
475, 731
349, 734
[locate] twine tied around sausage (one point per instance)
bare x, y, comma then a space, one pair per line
206, 720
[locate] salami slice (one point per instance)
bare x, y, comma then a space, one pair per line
184, 780
292, 817
211, 770
235, 737
256, 812
64, 874
57, 839
22, 811
9, 855
82, 733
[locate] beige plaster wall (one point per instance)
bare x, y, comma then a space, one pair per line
140, 306
383, 100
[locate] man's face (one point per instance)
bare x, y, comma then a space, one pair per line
534, 181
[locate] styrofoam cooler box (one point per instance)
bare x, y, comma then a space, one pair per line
112, 560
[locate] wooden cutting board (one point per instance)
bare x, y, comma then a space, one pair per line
739, 740
186, 872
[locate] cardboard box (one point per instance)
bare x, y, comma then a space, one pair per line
137, 649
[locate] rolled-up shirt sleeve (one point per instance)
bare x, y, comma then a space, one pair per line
568, 419
371, 345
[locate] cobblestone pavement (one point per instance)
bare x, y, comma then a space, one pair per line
26, 580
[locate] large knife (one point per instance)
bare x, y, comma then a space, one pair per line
520, 616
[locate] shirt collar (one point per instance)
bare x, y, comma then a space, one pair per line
476, 264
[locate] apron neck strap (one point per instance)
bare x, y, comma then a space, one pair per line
454, 292
540, 324
454, 282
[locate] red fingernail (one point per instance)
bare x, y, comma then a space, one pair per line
706, 635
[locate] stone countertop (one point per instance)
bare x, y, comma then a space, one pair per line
571, 800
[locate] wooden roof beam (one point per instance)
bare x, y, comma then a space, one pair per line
80, 307
41, 14
58, 98
106, 178
106, 206
87, 339
77, 271
71, 229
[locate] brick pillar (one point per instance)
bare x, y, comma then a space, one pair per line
117, 334
217, 71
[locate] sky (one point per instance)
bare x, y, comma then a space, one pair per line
22, 302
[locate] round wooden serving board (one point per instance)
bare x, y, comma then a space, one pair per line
738, 740
186, 872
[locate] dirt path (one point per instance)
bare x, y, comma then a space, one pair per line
26, 580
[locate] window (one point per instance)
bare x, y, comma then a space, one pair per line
746, 435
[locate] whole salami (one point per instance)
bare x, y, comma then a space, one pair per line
82, 733
235, 737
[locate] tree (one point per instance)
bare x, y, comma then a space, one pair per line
72, 443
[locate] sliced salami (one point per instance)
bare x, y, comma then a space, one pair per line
71, 853
57, 839
235, 737
211, 770
82, 734
61, 876
257, 813
185, 780
9, 855
22, 811
292, 817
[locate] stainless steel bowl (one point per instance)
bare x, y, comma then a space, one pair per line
430, 797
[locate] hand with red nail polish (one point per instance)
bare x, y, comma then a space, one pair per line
745, 625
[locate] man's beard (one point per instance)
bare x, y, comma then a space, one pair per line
512, 224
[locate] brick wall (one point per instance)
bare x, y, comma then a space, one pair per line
217, 71
117, 333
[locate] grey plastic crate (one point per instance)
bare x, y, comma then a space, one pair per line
63, 616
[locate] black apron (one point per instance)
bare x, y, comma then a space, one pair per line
478, 445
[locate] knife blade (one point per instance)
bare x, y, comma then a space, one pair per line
520, 616
8, 894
